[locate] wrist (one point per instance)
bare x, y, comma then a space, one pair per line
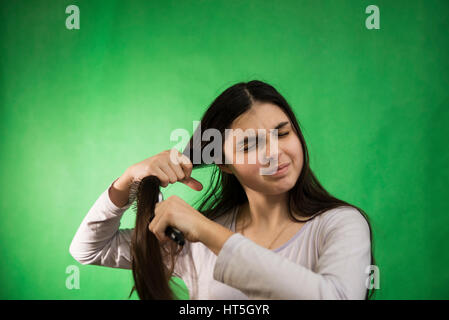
124, 181
213, 235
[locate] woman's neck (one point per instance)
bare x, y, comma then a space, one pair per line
261, 220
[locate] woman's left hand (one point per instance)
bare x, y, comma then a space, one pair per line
178, 214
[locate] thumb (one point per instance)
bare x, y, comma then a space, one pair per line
192, 183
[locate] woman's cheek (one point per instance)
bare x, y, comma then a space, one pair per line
248, 171
257, 171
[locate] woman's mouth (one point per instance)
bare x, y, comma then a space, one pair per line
282, 169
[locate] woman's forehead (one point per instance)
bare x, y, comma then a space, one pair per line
263, 116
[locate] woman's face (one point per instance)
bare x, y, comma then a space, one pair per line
248, 167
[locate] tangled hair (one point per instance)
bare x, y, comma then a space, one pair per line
153, 264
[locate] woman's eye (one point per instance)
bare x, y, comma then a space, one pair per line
279, 135
283, 134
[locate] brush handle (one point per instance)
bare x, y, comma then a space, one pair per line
175, 235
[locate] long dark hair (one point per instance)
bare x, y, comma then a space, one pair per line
152, 264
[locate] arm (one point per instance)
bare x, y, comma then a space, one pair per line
98, 240
213, 235
260, 273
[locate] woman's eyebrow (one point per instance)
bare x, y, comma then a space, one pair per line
251, 138
282, 124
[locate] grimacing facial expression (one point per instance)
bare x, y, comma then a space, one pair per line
289, 150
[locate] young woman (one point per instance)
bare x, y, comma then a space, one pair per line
254, 236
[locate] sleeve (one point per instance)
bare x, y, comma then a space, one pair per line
98, 240
344, 253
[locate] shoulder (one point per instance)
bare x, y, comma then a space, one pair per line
342, 214
343, 220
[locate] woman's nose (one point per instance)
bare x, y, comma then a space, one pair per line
272, 151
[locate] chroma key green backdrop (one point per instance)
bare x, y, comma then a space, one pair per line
77, 107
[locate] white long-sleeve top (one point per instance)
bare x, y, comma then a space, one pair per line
326, 259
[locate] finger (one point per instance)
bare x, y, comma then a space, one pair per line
169, 172
157, 214
181, 164
185, 164
180, 174
163, 178
159, 229
193, 183
176, 157
153, 227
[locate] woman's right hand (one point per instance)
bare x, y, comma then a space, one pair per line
168, 171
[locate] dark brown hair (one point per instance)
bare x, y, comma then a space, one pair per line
153, 265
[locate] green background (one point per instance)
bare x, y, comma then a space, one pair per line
80, 106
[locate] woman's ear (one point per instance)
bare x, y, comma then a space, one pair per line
224, 168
